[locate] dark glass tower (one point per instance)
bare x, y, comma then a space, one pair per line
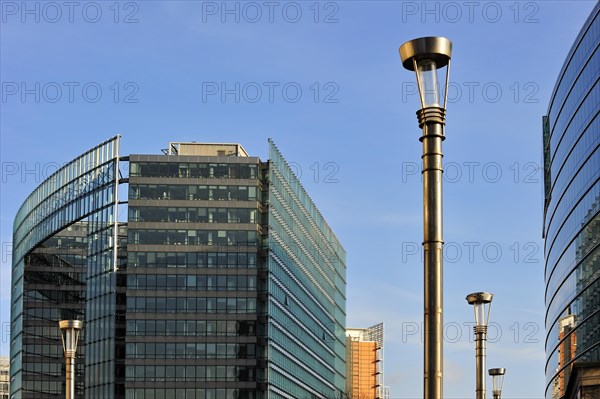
195, 229
572, 213
226, 281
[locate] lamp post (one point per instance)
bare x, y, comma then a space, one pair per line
497, 381
425, 56
69, 331
482, 304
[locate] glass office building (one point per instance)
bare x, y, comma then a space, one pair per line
364, 363
221, 280
306, 283
4, 377
571, 134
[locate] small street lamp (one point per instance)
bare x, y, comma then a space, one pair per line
425, 56
482, 303
497, 381
69, 331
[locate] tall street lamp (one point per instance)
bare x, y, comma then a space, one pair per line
425, 56
69, 331
497, 381
482, 304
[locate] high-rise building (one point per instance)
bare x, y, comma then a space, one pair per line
214, 276
364, 363
4, 377
571, 137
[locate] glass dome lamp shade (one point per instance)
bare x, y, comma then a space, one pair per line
497, 379
429, 90
482, 304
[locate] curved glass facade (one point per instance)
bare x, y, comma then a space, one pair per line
572, 211
63, 236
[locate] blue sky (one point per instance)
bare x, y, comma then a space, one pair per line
325, 81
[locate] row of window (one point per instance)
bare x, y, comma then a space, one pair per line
52, 366
194, 192
53, 313
178, 282
192, 215
240, 260
191, 327
189, 373
190, 393
194, 170
48, 350
37, 258
190, 305
54, 278
193, 237
58, 241
47, 331
47, 387
193, 350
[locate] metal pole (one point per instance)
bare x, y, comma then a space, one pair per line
70, 388
480, 339
432, 121
496, 395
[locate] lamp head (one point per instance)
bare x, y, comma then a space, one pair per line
497, 379
69, 331
425, 56
482, 304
